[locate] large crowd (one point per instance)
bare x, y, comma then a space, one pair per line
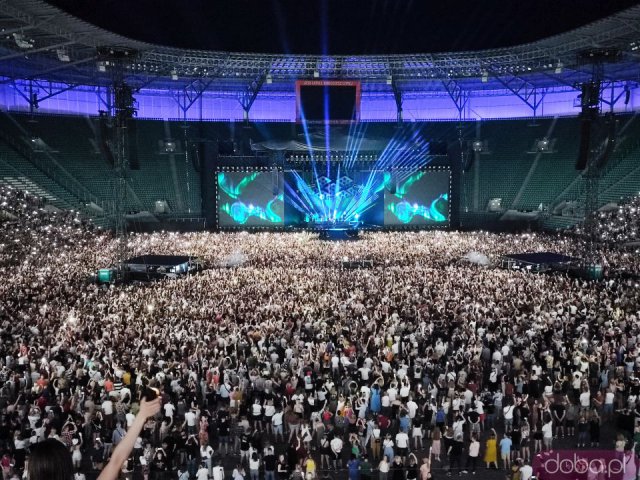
621, 224
290, 366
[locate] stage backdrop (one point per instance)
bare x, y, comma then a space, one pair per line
327, 194
250, 199
417, 198
372, 198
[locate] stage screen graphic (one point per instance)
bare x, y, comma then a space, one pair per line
339, 196
417, 198
250, 199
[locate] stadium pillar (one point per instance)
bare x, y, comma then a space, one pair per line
209, 156
456, 153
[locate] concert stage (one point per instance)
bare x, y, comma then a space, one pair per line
552, 262
538, 262
336, 234
337, 230
150, 267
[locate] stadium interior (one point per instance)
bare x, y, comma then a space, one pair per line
317, 266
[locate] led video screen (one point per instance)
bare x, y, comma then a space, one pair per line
250, 199
327, 101
417, 198
334, 196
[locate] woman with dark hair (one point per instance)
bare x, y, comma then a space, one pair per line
50, 460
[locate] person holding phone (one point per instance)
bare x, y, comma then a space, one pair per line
51, 460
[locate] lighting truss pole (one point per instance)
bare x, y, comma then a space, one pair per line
592, 177
121, 112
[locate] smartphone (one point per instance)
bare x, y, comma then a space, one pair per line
151, 393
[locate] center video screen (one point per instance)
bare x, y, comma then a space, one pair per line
250, 199
334, 196
417, 198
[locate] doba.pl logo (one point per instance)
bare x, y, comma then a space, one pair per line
585, 464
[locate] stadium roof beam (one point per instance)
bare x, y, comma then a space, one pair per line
459, 96
397, 96
531, 95
34, 87
613, 98
249, 95
33, 99
47, 24
104, 97
190, 94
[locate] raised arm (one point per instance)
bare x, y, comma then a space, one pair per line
124, 448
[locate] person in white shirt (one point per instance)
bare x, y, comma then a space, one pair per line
526, 471
206, 454
277, 423
130, 417
254, 466
336, 450
218, 472
547, 434
402, 442
202, 473
412, 407
507, 411
585, 399
238, 473
609, 398
169, 409
107, 411
190, 422
383, 468
472, 458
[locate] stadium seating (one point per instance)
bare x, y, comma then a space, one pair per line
71, 171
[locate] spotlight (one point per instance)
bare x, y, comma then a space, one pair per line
543, 145
63, 55
23, 42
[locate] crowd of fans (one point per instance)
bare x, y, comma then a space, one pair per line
289, 366
619, 225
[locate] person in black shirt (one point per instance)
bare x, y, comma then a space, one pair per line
516, 439
159, 465
223, 430
245, 443
283, 470
412, 468
455, 454
270, 464
193, 455
397, 469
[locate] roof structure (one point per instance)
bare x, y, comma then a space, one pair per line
41, 42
